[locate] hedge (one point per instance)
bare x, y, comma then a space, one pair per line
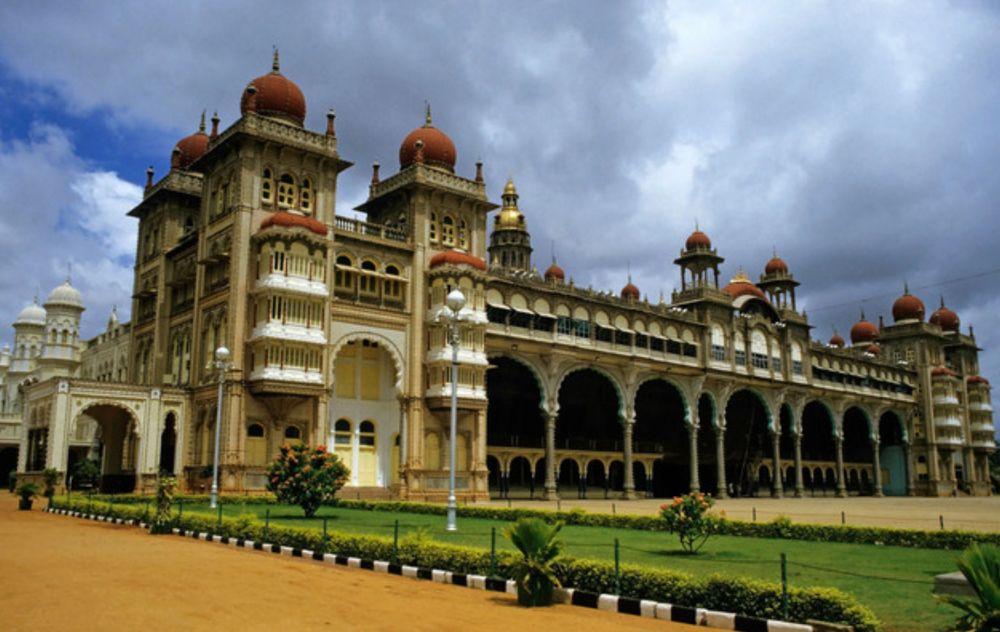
718, 592
950, 539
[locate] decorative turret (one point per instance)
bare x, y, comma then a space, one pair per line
863, 332
778, 283
63, 309
510, 243
696, 260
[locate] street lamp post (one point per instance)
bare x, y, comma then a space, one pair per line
221, 365
454, 303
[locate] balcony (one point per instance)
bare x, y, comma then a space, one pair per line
291, 283
287, 374
950, 440
947, 422
945, 400
366, 229
981, 407
982, 426
987, 443
291, 332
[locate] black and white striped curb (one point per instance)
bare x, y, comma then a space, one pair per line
569, 596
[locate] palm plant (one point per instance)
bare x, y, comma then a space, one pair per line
981, 566
534, 574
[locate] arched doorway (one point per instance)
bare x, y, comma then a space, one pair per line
588, 413
746, 441
519, 478
639, 477
513, 413
708, 469
597, 480
858, 450
660, 429
493, 476
569, 475
818, 443
118, 446
616, 477
892, 454
168, 444
8, 463
786, 446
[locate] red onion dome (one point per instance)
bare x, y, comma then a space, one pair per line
873, 349
836, 340
940, 371
863, 331
190, 148
907, 307
775, 265
293, 220
554, 272
977, 379
698, 241
740, 285
630, 291
945, 318
457, 257
275, 95
434, 148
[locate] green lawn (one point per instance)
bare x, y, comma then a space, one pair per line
901, 605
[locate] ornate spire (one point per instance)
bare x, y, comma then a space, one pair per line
149, 177
427, 114
906, 288
201, 123
275, 64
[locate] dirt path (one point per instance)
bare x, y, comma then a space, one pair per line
66, 573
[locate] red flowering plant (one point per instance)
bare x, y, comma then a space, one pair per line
306, 476
688, 517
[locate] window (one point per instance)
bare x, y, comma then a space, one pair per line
286, 191
433, 228
776, 364
277, 261
463, 235
256, 450
393, 286
342, 432
293, 433
797, 367
344, 277
267, 187
581, 328
369, 280
718, 352
305, 196
367, 434
564, 325
448, 231
741, 357
759, 360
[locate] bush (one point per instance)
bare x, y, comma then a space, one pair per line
731, 594
86, 473
688, 517
981, 567
51, 476
27, 491
165, 486
306, 476
533, 571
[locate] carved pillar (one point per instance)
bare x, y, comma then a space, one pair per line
800, 488
777, 490
908, 463
841, 484
551, 493
693, 440
720, 460
629, 424
877, 464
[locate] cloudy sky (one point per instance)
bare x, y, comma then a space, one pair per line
862, 140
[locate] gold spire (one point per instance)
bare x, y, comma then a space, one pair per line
740, 277
509, 188
510, 216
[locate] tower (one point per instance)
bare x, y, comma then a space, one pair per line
510, 243
61, 352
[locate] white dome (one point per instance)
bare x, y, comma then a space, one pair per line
33, 314
65, 294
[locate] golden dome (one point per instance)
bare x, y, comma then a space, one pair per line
510, 217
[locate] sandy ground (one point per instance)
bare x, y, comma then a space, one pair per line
65, 573
974, 514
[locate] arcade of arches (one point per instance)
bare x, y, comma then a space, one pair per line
652, 446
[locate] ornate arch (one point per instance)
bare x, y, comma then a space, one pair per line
683, 392
835, 422
536, 372
761, 397
394, 353
579, 366
869, 419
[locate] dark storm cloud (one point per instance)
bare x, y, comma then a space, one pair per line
860, 140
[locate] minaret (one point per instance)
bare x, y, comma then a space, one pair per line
61, 353
510, 243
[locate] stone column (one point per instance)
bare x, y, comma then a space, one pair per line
629, 424
551, 492
841, 484
693, 441
777, 489
877, 464
720, 458
800, 488
907, 456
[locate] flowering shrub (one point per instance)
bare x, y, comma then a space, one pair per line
307, 477
687, 516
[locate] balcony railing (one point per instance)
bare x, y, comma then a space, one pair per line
369, 230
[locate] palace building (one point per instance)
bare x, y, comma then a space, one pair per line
336, 339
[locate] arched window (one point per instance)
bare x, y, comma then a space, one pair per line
342, 432
344, 277
433, 228
463, 235
293, 434
448, 231
369, 280
367, 434
286, 191
305, 196
267, 187
256, 445
393, 286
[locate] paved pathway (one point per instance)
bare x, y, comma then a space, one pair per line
62, 573
974, 514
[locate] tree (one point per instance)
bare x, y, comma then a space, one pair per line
51, 477
306, 476
688, 517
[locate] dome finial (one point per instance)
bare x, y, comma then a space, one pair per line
942, 300
201, 123
275, 64
215, 124
774, 251
906, 288
427, 114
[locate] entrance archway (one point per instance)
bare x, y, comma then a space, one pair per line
8, 463
818, 443
168, 444
858, 447
588, 413
746, 441
513, 413
118, 446
892, 454
660, 429
708, 470
569, 475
